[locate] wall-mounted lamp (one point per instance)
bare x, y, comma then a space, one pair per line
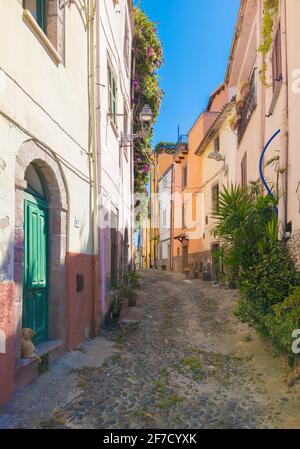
146, 114
216, 156
146, 118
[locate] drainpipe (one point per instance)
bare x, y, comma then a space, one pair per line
99, 154
93, 155
261, 99
284, 153
171, 219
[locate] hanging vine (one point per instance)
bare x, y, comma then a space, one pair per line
148, 58
270, 12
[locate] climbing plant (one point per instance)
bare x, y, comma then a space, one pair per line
148, 58
270, 12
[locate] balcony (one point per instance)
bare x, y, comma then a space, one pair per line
181, 149
250, 105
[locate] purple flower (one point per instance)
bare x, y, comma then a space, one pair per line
149, 52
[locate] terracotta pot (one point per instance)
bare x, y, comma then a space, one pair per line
123, 306
133, 300
240, 106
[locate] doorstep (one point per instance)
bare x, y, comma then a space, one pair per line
28, 370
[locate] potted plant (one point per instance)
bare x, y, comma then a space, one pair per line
245, 89
187, 273
115, 311
206, 276
240, 106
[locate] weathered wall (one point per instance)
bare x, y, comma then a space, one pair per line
80, 303
6, 341
44, 99
116, 171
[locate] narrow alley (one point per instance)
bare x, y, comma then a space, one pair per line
188, 363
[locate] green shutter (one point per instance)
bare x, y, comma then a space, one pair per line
35, 304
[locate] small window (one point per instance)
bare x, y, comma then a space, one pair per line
217, 144
38, 9
112, 96
215, 198
277, 58
79, 282
184, 176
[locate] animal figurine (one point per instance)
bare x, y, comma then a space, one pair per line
293, 377
28, 350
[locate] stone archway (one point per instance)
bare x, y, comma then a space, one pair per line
55, 191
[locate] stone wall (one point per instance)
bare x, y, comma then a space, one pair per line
294, 248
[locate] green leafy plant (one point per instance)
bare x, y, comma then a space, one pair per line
283, 320
169, 147
270, 12
130, 279
243, 216
148, 58
266, 284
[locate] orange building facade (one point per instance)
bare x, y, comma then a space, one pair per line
188, 250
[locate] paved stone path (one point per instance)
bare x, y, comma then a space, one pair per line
189, 364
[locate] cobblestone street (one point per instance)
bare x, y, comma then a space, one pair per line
189, 364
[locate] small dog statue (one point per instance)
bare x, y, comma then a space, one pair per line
28, 350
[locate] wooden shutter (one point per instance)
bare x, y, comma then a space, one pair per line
277, 58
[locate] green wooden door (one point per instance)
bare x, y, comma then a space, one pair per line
35, 305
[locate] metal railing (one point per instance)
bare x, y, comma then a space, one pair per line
251, 102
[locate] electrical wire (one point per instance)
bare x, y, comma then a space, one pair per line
45, 146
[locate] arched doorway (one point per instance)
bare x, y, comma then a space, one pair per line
35, 258
40, 246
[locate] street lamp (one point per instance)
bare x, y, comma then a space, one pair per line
146, 118
146, 115
216, 156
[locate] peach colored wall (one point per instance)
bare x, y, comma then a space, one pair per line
7, 294
79, 304
164, 161
195, 180
219, 100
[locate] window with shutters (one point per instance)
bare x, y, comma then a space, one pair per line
244, 181
277, 58
112, 96
38, 9
126, 46
215, 191
49, 15
184, 176
217, 144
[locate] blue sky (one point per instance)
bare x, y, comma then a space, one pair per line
196, 37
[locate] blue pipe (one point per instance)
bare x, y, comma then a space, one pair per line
261, 169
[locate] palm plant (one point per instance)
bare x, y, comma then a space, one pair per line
245, 224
